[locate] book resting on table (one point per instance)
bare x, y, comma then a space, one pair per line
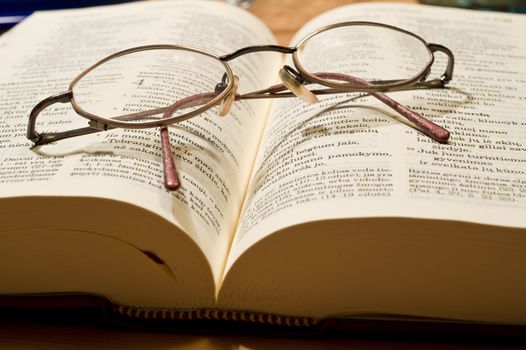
288, 212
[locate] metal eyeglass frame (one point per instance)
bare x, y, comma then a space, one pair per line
227, 89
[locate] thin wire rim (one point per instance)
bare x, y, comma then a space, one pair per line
150, 124
349, 86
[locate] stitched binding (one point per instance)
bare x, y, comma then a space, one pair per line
213, 314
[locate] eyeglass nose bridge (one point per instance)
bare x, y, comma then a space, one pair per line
257, 48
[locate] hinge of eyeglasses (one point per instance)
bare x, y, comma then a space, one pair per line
445, 78
95, 124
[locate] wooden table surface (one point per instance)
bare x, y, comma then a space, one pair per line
284, 17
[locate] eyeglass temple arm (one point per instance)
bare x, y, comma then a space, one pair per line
426, 126
65, 97
171, 176
43, 138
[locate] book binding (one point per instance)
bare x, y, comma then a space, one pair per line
144, 313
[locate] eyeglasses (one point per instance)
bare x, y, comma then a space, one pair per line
157, 85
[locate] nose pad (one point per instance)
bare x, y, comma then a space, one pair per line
228, 100
292, 80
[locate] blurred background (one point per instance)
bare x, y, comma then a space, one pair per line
13, 11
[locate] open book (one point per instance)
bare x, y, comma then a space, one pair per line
286, 209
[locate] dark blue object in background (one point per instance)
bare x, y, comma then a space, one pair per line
13, 11
518, 6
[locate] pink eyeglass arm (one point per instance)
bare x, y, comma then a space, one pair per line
427, 127
171, 177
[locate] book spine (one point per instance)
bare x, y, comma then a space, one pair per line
213, 314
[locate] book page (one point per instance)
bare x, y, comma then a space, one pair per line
356, 159
214, 155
